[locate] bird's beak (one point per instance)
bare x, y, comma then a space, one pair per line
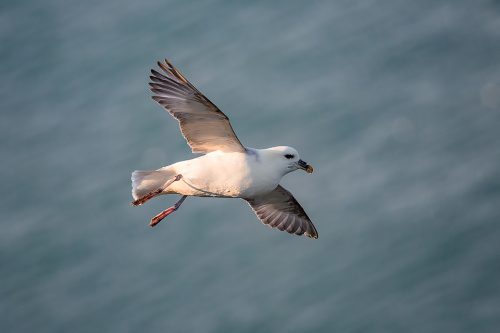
304, 166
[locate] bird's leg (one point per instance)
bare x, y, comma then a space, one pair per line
157, 219
156, 192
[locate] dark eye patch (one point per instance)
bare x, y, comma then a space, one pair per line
289, 156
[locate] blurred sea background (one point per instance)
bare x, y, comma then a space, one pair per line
396, 104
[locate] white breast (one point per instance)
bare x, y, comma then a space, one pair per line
224, 174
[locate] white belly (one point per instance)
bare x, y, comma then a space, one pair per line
222, 174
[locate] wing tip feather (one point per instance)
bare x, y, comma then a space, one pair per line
313, 236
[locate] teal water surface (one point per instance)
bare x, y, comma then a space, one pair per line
395, 103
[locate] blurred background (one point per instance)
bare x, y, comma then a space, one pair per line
396, 104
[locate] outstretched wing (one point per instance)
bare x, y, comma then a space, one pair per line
279, 209
203, 125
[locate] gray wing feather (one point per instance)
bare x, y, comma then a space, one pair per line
204, 126
279, 209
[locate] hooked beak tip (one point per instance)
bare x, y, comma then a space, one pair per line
306, 167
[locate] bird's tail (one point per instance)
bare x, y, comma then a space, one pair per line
144, 182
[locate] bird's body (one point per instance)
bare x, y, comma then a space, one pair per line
227, 168
215, 174
220, 174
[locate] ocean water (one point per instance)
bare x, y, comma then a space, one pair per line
395, 103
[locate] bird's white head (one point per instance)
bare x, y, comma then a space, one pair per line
286, 159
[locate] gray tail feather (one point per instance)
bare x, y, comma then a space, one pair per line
144, 182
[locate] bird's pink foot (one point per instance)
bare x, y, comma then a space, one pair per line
158, 218
148, 196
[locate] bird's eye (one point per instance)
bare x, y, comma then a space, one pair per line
289, 156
